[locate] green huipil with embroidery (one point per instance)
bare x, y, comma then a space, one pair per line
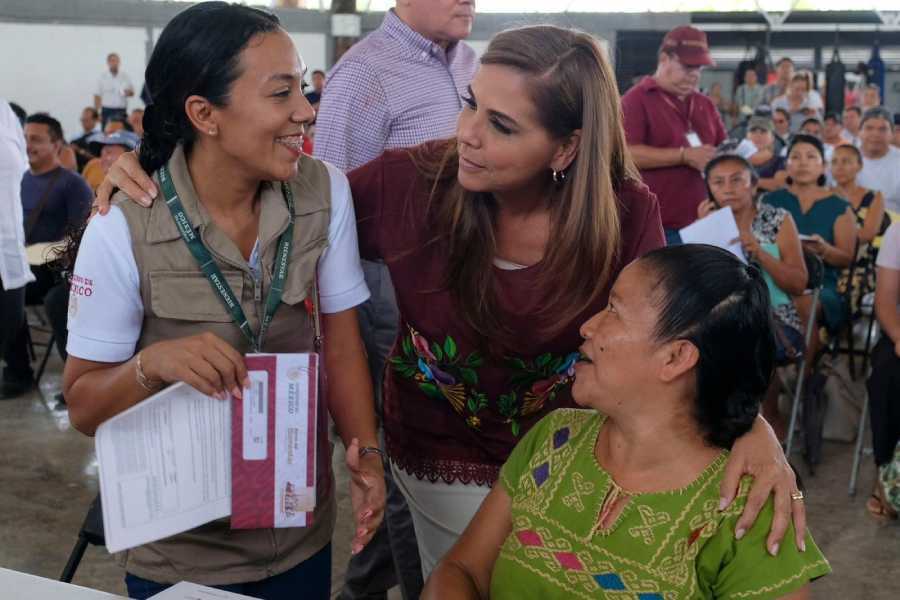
662, 546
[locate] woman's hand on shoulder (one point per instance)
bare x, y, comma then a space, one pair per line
127, 175
759, 454
204, 361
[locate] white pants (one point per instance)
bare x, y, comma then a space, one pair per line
440, 512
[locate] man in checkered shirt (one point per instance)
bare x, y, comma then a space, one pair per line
398, 87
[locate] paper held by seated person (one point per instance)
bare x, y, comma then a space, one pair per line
165, 464
718, 228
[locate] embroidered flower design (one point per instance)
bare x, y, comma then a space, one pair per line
442, 373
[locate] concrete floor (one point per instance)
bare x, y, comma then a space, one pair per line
48, 477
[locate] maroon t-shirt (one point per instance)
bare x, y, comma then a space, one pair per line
453, 412
654, 117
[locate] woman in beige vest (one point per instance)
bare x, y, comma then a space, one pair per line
225, 129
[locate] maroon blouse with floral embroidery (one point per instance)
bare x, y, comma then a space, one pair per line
451, 411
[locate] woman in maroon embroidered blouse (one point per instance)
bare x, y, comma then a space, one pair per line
495, 241
492, 240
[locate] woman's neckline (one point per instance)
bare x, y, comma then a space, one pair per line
825, 194
700, 479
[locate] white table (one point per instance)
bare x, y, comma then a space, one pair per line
23, 585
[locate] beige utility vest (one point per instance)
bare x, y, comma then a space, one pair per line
179, 301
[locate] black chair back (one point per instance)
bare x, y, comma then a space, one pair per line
815, 270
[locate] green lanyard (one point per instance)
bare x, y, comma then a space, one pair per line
211, 269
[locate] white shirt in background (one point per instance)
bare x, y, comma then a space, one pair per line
889, 254
883, 174
111, 89
14, 269
106, 312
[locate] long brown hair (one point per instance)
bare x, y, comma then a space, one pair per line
573, 87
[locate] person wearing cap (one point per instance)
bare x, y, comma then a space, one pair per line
112, 146
672, 130
767, 160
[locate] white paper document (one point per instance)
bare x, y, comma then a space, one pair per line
716, 229
165, 466
192, 591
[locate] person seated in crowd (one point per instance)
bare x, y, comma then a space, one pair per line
314, 96
867, 204
833, 131
136, 120
881, 160
94, 171
781, 120
224, 131
619, 498
811, 126
767, 160
720, 101
769, 238
828, 227
112, 146
884, 382
870, 98
748, 95
895, 141
54, 199
852, 119
90, 124
799, 102
784, 72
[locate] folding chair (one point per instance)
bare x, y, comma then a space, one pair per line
856, 295
816, 274
91, 533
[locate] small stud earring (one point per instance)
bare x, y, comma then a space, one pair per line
212, 131
559, 177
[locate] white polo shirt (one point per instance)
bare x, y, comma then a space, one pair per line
14, 269
883, 174
111, 89
106, 312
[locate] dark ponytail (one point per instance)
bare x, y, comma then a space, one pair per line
710, 298
198, 53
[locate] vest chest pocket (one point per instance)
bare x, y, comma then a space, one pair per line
302, 271
189, 296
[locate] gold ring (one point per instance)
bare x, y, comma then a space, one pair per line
798, 496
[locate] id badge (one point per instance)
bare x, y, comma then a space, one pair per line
693, 139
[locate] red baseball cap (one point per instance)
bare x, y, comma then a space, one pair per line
690, 46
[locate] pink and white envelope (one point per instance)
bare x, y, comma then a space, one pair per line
273, 443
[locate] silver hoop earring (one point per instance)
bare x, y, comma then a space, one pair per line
559, 177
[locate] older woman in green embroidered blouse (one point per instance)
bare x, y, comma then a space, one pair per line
624, 497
